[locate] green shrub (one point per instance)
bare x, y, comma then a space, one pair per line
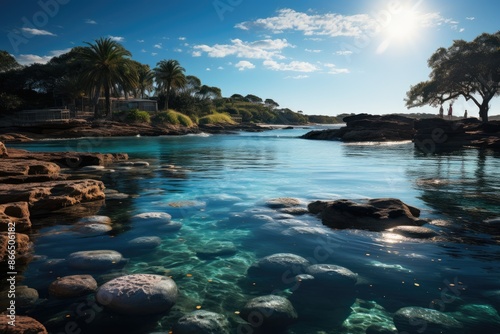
137, 116
216, 118
173, 117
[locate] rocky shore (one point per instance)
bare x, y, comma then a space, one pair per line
105, 128
429, 135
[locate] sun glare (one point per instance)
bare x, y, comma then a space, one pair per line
401, 30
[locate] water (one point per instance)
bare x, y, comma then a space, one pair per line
221, 183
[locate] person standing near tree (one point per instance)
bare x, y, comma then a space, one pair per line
450, 111
465, 113
441, 112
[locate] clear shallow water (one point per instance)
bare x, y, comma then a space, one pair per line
226, 179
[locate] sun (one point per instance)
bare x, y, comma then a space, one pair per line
402, 28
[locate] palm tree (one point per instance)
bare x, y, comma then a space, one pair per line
107, 64
145, 79
169, 74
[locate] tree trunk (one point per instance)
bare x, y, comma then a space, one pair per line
167, 98
483, 112
108, 100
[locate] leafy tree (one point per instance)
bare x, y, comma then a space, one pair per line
145, 78
169, 75
271, 103
468, 69
8, 62
107, 64
208, 92
253, 98
237, 97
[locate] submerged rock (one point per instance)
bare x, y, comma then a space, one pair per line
374, 215
145, 243
283, 202
278, 264
72, 286
95, 220
95, 260
478, 318
138, 294
269, 313
415, 320
215, 249
417, 232
202, 322
160, 220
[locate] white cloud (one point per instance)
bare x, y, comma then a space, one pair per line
154, 54
182, 38
262, 49
343, 53
220, 68
312, 51
28, 59
296, 66
298, 77
461, 30
329, 24
177, 50
31, 59
117, 38
197, 54
470, 18
143, 50
244, 65
140, 40
37, 32
158, 46
90, 21
333, 69
208, 69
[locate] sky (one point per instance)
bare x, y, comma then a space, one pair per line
318, 56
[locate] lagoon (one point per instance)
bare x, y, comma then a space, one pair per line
217, 186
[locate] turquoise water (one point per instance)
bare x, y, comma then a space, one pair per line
223, 182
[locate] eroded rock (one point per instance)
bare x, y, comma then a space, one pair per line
15, 215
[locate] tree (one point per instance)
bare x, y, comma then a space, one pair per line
8, 62
107, 64
145, 79
209, 92
271, 103
468, 69
169, 74
253, 98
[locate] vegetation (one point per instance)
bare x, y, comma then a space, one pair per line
102, 70
216, 118
137, 116
467, 69
172, 117
107, 65
169, 75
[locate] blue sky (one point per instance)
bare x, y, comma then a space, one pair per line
318, 56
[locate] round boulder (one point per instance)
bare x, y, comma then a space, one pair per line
269, 312
417, 232
72, 286
138, 294
145, 243
91, 229
23, 325
412, 320
214, 249
279, 264
95, 260
202, 322
283, 202
336, 277
160, 220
